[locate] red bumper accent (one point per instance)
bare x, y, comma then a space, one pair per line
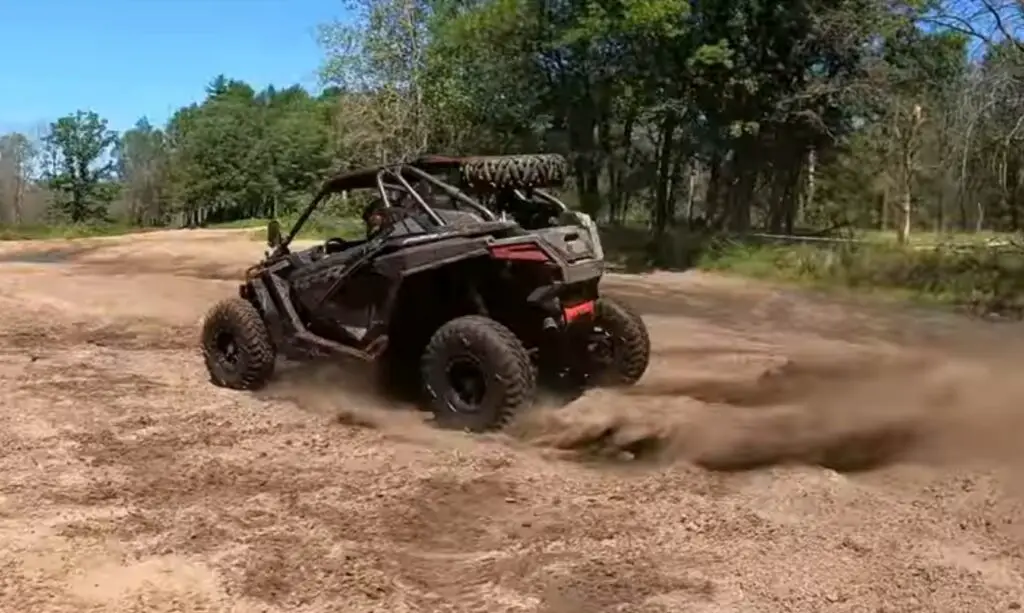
583, 309
519, 252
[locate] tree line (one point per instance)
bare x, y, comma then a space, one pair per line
734, 115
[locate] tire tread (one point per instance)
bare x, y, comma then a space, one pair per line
515, 171
513, 366
632, 339
252, 338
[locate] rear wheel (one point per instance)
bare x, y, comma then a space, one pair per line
477, 374
620, 344
236, 346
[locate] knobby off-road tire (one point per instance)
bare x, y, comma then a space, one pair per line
515, 171
631, 343
237, 323
509, 380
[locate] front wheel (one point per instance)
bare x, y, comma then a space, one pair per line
236, 346
477, 374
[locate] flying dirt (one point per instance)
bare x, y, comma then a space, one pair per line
784, 452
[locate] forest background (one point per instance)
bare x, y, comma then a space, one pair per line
869, 144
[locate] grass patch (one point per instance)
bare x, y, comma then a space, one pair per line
983, 279
240, 224
932, 239
965, 271
317, 228
64, 231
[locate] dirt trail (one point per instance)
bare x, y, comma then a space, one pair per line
785, 453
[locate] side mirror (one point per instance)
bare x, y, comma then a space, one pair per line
274, 234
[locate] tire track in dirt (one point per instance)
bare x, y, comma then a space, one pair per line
848, 416
180, 479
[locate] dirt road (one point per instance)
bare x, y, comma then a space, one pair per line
876, 467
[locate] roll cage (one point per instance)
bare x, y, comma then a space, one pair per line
392, 182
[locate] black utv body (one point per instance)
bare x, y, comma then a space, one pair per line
454, 304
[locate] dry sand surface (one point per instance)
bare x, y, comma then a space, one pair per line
784, 453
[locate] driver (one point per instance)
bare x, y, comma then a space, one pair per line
376, 215
373, 217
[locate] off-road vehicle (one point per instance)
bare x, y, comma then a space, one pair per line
446, 297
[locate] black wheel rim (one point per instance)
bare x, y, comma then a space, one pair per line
467, 383
601, 347
226, 347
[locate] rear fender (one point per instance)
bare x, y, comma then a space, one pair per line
586, 222
570, 243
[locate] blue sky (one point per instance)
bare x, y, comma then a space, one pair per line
129, 58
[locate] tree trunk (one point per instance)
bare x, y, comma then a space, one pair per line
909, 145
903, 229
18, 205
744, 168
812, 184
713, 197
883, 210
662, 202
691, 186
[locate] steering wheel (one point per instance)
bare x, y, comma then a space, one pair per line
334, 245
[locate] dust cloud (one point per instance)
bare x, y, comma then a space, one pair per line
847, 416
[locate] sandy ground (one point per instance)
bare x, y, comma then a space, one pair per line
784, 453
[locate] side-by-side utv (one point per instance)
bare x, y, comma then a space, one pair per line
448, 298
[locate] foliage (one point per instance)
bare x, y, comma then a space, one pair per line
64, 231
77, 171
732, 116
16, 154
983, 279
